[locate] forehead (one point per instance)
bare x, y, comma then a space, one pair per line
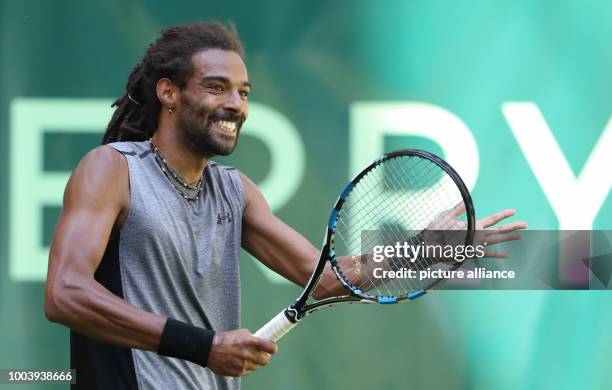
217, 62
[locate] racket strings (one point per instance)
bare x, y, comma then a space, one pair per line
368, 200
395, 264
369, 243
395, 233
368, 208
393, 203
442, 189
423, 261
393, 198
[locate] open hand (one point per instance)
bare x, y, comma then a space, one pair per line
449, 220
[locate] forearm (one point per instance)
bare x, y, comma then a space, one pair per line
291, 255
86, 306
329, 286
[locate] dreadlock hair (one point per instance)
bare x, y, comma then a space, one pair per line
137, 114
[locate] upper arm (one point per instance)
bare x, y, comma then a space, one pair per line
272, 241
95, 201
256, 206
257, 218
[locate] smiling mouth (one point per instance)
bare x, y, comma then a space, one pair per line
229, 127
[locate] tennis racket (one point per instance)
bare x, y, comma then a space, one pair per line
405, 196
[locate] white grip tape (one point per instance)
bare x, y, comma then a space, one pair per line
276, 328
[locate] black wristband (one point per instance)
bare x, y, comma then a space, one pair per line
187, 342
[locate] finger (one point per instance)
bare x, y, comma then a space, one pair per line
518, 225
501, 238
458, 210
455, 224
495, 255
261, 358
241, 369
265, 345
248, 368
495, 218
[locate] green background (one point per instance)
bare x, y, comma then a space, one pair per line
311, 60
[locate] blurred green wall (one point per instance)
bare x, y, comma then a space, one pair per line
516, 94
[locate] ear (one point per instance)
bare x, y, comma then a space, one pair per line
167, 93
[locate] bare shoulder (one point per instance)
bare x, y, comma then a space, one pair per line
99, 180
246, 182
254, 197
103, 159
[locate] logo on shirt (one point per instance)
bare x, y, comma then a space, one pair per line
223, 218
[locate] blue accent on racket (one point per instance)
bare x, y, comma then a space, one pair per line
416, 294
346, 191
331, 224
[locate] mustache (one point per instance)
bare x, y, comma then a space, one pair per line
225, 116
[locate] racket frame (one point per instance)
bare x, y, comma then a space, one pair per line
301, 308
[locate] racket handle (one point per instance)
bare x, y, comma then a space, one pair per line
276, 328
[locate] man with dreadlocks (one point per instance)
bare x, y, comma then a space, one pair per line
144, 263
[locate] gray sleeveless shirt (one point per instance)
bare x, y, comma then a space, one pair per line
180, 258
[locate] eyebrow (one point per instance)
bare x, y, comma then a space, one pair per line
224, 80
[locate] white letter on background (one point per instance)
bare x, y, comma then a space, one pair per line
575, 201
30, 187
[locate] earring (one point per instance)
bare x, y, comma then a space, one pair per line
170, 109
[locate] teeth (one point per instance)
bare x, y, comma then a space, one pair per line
227, 126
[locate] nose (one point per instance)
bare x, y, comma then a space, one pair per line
234, 102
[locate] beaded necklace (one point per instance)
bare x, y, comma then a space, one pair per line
188, 191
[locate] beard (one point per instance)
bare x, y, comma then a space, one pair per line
195, 128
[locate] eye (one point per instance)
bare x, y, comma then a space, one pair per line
215, 87
245, 93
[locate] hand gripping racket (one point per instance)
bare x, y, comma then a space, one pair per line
400, 192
